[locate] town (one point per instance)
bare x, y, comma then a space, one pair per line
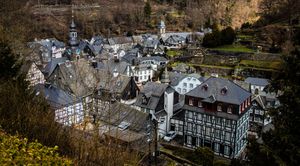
206, 96
123, 87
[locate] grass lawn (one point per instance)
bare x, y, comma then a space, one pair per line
172, 53
233, 48
261, 64
212, 66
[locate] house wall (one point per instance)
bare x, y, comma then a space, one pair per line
35, 76
186, 85
70, 115
224, 135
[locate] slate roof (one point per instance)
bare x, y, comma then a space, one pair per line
154, 91
56, 97
111, 66
120, 40
175, 77
155, 58
260, 100
112, 84
49, 68
234, 93
77, 77
257, 81
183, 68
119, 112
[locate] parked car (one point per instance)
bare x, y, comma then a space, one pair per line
169, 136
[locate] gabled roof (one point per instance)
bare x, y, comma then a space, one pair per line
177, 77
153, 91
112, 84
155, 58
234, 94
77, 77
257, 81
120, 40
56, 97
260, 100
118, 113
49, 68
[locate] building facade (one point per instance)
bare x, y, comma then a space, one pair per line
215, 115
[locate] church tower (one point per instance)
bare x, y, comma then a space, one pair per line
73, 41
161, 28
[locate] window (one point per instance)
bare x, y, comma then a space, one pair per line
199, 104
189, 126
198, 129
184, 90
228, 123
185, 85
190, 101
145, 77
207, 131
190, 115
217, 147
191, 85
179, 90
218, 121
229, 110
209, 118
217, 133
219, 107
141, 77
226, 150
227, 136
189, 140
199, 116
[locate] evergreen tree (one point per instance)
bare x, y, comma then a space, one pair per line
281, 146
147, 11
8, 62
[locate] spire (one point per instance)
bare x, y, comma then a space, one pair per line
73, 41
161, 28
165, 78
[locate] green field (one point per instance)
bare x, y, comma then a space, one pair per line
172, 53
261, 64
233, 48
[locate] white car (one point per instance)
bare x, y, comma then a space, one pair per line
169, 136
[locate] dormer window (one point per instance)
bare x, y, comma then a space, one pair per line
219, 108
224, 90
144, 100
229, 110
190, 101
204, 87
199, 104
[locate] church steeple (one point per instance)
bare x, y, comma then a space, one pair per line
73, 41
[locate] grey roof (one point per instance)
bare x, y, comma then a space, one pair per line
56, 98
112, 84
154, 91
122, 113
120, 40
76, 77
111, 66
234, 93
49, 68
183, 68
257, 81
175, 77
260, 100
150, 43
131, 55
175, 39
155, 58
